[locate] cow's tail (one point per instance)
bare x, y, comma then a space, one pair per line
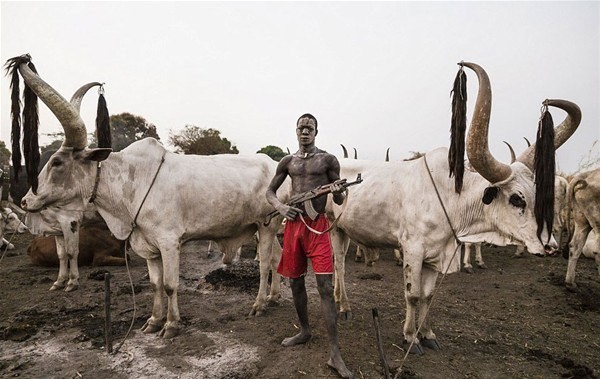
30, 121
458, 126
544, 168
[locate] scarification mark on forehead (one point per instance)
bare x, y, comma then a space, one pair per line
306, 121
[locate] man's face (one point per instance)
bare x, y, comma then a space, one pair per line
306, 132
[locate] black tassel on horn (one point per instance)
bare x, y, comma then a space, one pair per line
458, 126
12, 68
103, 133
15, 114
31, 123
544, 166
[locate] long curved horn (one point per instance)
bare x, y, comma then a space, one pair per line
345, 151
355, 153
67, 115
78, 95
513, 157
527, 141
561, 133
478, 150
387, 155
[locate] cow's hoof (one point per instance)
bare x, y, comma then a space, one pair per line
345, 316
432, 343
482, 266
150, 327
415, 348
257, 311
57, 286
571, 287
273, 302
71, 287
169, 332
468, 270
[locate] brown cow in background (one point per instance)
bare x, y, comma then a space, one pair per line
97, 247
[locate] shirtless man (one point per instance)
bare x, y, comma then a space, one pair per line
309, 168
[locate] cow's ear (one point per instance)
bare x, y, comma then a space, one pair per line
489, 194
97, 155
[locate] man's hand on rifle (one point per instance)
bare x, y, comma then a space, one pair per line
288, 211
337, 188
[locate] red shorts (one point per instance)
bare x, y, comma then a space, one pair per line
299, 243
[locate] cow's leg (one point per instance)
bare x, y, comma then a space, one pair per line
155, 272
520, 250
170, 263
467, 267
412, 294
359, 255
575, 248
63, 265
371, 256
398, 255
339, 244
9, 246
275, 294
71, 238
266, 237
428, 280
479, 257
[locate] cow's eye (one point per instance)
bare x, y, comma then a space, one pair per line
517, 201
56, 163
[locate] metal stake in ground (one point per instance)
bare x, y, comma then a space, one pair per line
107, 323
384, 364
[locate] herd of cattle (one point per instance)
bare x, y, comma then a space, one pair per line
408, 205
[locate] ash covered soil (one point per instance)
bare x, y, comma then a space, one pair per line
512, 320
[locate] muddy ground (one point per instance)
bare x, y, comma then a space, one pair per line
513, 320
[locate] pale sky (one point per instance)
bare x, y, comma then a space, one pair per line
376, 75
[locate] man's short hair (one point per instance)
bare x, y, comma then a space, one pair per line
309, 117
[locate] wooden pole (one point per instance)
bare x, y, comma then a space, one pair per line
384, 364
107, 322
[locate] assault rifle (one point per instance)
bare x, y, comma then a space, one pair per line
305, 198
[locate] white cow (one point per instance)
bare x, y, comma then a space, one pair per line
10, 222
583, 196
219, 198
396, 205
64, 226
64, 223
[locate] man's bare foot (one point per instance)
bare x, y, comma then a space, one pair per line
298, 339
339, 366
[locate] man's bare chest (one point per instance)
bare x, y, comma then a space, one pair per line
312, 166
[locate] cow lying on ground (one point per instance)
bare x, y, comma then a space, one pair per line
97, 247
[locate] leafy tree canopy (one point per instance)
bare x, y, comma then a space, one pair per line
196, 140
127, 128
276, 153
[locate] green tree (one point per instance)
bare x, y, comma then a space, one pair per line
276, 153
196, 140
127, 128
